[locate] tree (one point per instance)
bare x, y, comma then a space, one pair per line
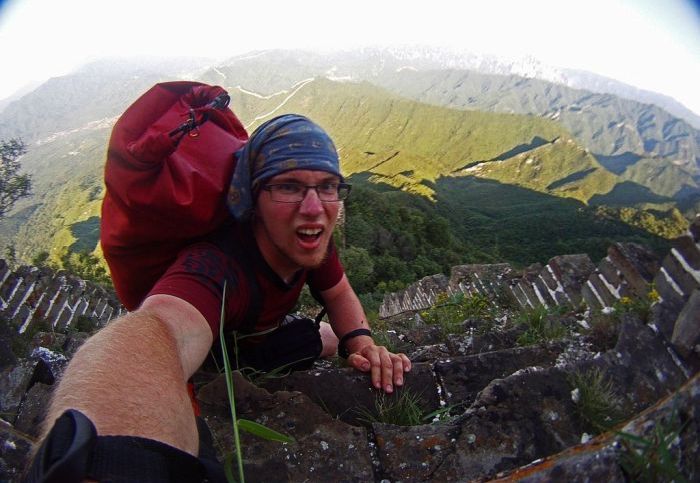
13, 185
359, 268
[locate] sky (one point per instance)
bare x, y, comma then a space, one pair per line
651, 44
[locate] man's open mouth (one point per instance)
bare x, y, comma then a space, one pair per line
309, 234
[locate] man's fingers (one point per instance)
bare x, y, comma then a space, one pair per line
387, 371
398, 369
358, 362
406, 362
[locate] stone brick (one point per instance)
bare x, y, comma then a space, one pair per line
686, 334
353, 393
417, 296
597, 281
669, 291
688, 249
590, 298
525, 287
56, 303
637, 264
485, 279
518, 295
64, 318
8, 292
554, 291
611, 273
542, 292
572, 271
694, 229
676, 270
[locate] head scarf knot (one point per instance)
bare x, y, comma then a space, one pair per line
281, 144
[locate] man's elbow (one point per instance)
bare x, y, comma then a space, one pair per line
189, 329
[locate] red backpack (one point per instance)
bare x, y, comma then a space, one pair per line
169, 164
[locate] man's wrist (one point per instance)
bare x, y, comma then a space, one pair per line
350, 341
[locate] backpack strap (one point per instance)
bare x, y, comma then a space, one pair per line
73, 452
256, 299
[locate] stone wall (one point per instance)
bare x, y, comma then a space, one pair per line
629, 270
468, 279
31, 295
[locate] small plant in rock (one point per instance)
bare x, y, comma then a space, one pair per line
597, 404
639, 306
655, 457
401, 409
540, 325
450, 312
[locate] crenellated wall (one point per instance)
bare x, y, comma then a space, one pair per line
628, 270
38, 295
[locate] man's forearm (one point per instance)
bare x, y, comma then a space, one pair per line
128, 379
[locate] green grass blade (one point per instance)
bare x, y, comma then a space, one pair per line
228, 463
263, 431
229, 386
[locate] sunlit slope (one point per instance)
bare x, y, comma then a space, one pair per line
561, 168
410, 142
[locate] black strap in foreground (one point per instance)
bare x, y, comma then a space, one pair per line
72, 452
342, 350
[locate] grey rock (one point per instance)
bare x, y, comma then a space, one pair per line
352, 393
73, 343
14, 452
413, 453
16, 381
324, 448
33, 409
686, 332
464, 377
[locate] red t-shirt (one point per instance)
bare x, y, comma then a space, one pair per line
198, 275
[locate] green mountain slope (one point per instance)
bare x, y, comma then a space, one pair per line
408, 144
608, 126
425, 150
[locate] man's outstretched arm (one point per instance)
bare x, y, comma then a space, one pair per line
130, 378
346, 314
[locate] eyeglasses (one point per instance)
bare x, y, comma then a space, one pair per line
296, 192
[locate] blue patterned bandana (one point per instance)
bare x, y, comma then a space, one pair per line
281, 144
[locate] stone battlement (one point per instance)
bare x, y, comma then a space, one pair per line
39, 295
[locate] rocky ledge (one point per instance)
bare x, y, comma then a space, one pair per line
567, 372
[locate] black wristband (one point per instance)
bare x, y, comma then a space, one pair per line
342, 350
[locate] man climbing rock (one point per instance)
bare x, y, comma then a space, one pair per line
130, 379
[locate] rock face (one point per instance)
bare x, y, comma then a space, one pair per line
510, 396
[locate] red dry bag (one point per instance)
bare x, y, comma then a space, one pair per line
169, 164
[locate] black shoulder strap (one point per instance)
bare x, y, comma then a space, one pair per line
256, 300
73, 452
229, 243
